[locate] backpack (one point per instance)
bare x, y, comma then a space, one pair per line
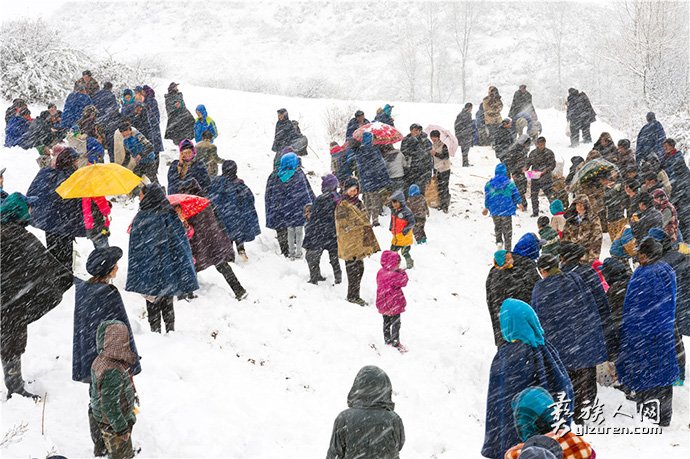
300, 143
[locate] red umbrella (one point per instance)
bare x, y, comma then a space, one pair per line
383, 133
190, 204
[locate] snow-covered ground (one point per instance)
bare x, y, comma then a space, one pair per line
265, 378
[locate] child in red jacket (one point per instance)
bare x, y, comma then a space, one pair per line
390, 300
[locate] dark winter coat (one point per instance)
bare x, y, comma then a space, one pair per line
464, 129
369, 428
95, 303
617, 276
569, 315
154, 116
543, 161
17, 133
160, 258
679, 176
593, 283
650, 141
32, 283
180, 120
650, 218
352, 126
143, 124
106, 104
51, 213
40, 132
503, 283
233, 202
681, 267
210, 243
516, 159
528, 246
517, 366
608, 152
384, 118
504, 138
285, 134
521, 101
647, 356
373, 175
417, 151
615, 202
285, 201
580, 111
197, 171
319, 233
74, 108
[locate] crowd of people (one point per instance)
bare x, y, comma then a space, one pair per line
562, 319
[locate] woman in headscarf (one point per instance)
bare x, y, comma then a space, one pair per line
186, 168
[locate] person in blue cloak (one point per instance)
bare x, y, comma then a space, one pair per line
96, 301
154, 116
106, 104
384, 116
128, 103
650, 139
320, 232
528, 246
285, 132
373, 176
646, 362
571, 321
17, 130
74, 107
527, 359
185, 169
160, 258
571, 261
287, 193
355, 123
61, 219
233, 202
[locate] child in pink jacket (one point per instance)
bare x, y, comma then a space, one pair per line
390, 300
96, 212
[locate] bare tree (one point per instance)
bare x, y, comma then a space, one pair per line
556, 32
463, 16
430, 27
409, 64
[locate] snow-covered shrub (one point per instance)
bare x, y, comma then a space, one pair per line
335, 119
35, 63
121, 75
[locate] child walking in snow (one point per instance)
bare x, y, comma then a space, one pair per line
501, 196
390, 300
402, 222
420, 210
558, 219
550, 242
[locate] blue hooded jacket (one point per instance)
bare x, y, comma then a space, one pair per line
532, 410
373, 174
528, 246
17, 133
647, 356
571, 321
517, 366
501, 196
203, 124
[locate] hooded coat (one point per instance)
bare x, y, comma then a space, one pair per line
106, 103
681, 267
197, 171
570, 317
527, 359
492, 105
154, 116
585, 231
203, 124
650, 140
464, 128
618, 277
501, 196
506, 282
369, 428
160, 258
32, 281
75, 104
356, 238
180, 120
647, 356
521, 101
51, 213
402, 221
112, 391
95, 303
285, 134
390, 280
417, 152
287, 192
528, 246
320, 233
210, 243
233, 202
373, 174
352, 126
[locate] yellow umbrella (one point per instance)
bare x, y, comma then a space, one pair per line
98, 180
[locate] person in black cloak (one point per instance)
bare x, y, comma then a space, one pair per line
97, 300
32, 282
369, 427
211, 245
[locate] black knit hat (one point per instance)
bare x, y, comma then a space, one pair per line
102, 261
651, 248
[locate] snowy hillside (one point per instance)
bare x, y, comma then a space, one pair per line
265, 378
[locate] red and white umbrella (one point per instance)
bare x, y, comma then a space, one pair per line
190, 204
384, 134
447, 137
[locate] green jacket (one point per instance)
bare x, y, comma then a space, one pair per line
551, 243
112, 392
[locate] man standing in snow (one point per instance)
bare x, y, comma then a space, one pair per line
416, 148
650, 139
542, 162
464, 132
522, 99
355, 123
678, 173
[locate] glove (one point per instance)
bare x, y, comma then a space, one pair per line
105, 232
